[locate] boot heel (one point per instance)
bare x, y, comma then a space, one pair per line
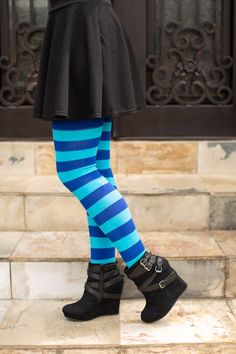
109, 307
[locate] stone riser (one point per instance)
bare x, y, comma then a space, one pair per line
59, 280
52, 265
167, 212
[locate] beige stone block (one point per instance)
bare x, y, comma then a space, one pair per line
156, 157
223, 212
5, 291
8, 242
217, 157
11, 213
13, 184
230, 283
169, 212
45, 163
219, 183
47, 280
41, 324
16, 158
160, 183
55, 213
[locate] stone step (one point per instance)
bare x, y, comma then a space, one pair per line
196, 326
53, 265
132, 156
157, 202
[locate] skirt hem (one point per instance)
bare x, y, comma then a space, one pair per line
88, 116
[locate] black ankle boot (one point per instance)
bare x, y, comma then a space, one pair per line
102, 293
159, 283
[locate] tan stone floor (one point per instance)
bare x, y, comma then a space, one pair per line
192, 326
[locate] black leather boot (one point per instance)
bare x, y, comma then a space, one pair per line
102, 293
159, 283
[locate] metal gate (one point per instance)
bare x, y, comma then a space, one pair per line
186, 56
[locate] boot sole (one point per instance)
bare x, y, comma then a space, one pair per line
106, 308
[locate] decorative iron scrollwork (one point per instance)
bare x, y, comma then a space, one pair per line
190, 72
19, 72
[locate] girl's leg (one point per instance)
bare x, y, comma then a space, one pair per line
102, 250
76, 146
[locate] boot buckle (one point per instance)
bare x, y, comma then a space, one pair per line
162, 284
149, 267
158, 270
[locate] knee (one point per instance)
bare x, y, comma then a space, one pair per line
76, 178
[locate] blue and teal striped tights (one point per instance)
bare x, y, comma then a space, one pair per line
82, 152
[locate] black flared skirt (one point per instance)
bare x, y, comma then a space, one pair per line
87, 67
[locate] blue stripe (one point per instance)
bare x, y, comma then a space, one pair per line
103, 154
76, 145
103, 253
107, 172
70, 165
132, 251
111, 211
122, 230
75, 124
96, 195
104, 202
115, 222
105, 135
81, 181
95, 230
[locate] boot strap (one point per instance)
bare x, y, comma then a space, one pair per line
146, 287
147, 263
100, 293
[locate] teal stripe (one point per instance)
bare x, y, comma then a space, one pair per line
91, 220
77, 172
104, 145
116, 221
101, 242
89, 187
104, 202
76, 135
62, 156
103, 261
112, 181
127, 241
102, 164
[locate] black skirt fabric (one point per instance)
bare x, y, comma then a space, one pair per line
87, 66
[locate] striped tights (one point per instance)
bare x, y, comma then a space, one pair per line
82, 152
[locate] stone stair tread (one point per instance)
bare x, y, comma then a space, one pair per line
74, 245
193, 325
128, 183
